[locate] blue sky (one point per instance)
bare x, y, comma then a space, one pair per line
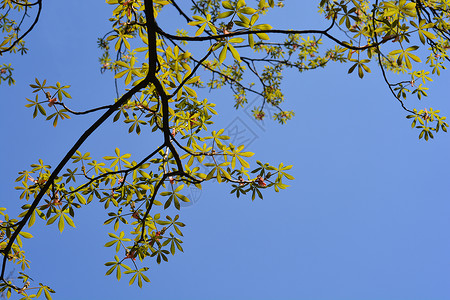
366, 217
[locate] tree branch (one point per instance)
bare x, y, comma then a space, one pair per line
29, 29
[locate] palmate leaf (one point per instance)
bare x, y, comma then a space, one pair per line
62, 114
118, 158
405, 56
37, 107
361, 67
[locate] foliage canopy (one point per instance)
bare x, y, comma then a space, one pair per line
158, 74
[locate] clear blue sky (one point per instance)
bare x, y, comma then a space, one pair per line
366, 218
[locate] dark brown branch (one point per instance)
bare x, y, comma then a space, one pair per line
279, 31
27, 32
180, 11
383, 72
83, 112
24, 4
